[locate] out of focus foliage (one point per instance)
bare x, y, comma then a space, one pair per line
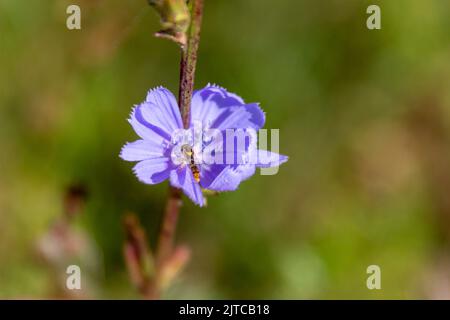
364, 116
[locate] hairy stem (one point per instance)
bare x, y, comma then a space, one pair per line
187, 74
189, 61
168, 226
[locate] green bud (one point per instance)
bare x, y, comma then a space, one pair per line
175, 18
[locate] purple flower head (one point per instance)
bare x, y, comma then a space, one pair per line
216, 152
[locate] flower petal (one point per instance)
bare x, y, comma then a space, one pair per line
268, 159
158, 117
144, 129
183, 178
215, 107
152, 171
225, 178
246, 116
164, 111
245, 171
142, 150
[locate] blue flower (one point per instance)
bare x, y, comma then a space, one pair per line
216, 152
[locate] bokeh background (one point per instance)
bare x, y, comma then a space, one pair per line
364, 116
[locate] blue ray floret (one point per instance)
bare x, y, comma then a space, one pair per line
168, 151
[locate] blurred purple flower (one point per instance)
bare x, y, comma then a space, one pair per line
167, 151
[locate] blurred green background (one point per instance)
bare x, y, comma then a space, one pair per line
364, 116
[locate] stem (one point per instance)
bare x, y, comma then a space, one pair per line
189, 61
168, 227
187, 74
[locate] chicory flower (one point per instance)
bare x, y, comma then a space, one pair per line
202, 155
